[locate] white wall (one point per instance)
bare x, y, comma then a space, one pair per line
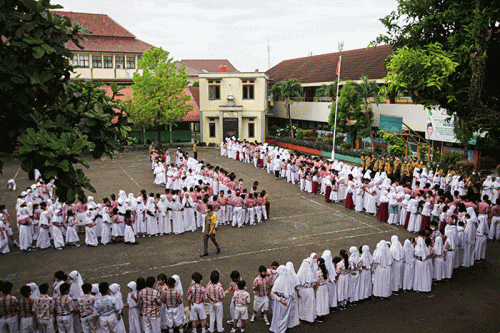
413, 115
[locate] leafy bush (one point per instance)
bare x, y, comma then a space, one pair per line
465, 166
329, 135
487, 163
273, 130
498, 170
395, 150
345, 145
308, 138
300, 134
308, 133
450, 159
339, 140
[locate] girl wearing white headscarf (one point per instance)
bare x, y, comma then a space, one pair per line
151, 218
293, 319
365, 278
405, 210
393, 207
178, 225
122, 208
106, 224
134, 324
115, 289
495, 188
332, 274
439, 256
354, 270
307, 301
409, 266
494, 232
398, 255
413, 209
423, 274
382, 259
178, 312
449, 246
56, 231
75, 292
90, 235
371, 201
140, 220
426, 216
481, 238
383, 210
35, 292
487, 184
470, 232
282, 292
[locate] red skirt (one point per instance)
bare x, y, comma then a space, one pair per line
268, 208
407, 220
237, 155
349, 204
426, 222
260, 163
327, 193
315, 187
442, 225
383, 212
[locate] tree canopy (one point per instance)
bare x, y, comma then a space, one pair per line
54, 119
288, 91
159, 98
368, 90
448, 58
350, 116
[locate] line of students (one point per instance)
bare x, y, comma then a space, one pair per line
320, 285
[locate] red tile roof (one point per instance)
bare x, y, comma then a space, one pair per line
193, 92
98, 24
322, 68
105, 35
210, 65
193, 115
110, 44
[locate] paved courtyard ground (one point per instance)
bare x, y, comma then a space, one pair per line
299, 224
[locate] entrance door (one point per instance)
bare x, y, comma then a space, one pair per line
230, 127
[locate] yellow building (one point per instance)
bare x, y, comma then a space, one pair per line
233, 104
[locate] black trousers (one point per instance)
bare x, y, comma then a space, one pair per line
205, 242
195, 155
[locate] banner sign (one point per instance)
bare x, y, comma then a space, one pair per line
390, 123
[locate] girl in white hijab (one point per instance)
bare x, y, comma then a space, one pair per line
282, 292
115, 289
487, 184
140, 220
332, 274
470, 232
178, 312
293, 320
423, 274
382, 259
481, 238
35, 293
404, 209
307, 301
134, 324
409, 266
495, 188
439, 256
354, 270
449, 246
398, 255
365, 278
151, 218
75, 292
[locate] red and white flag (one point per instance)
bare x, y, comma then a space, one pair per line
338, 66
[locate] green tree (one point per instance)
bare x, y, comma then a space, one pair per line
288, 91
52, 118
441, 35
350, 118
367, 90
327, 90
159, 97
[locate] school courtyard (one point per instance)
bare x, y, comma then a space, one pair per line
299, 224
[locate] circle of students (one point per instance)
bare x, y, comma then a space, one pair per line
192, 187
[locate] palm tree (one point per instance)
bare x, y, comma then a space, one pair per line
327, 90
287, 90
366, 90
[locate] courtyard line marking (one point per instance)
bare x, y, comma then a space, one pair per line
130, 177
212, 260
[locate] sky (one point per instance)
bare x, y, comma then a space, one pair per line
241, 30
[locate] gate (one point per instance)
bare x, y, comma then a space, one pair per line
230, 127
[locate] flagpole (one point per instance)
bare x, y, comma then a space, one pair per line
341, 45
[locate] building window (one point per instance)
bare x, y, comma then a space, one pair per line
213, 90
83, 61
251, 130
211, 129
120, 62
248, 89
74, 62
130, 62
97, 61
108, 61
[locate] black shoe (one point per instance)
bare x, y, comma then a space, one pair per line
204, 255
218, 251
